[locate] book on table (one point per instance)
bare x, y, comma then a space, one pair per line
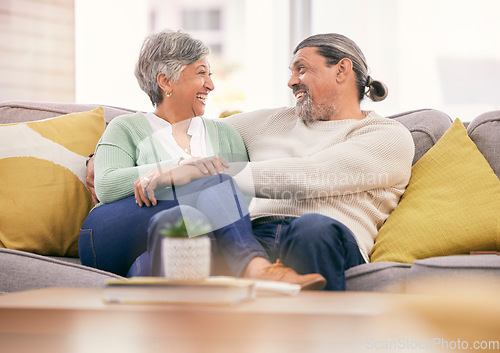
157, 290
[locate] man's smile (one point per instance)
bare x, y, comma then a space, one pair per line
300, 93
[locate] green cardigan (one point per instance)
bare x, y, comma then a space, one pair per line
127, 150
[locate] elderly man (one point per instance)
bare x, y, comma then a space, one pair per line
326, 174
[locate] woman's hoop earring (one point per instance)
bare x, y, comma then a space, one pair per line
168, 94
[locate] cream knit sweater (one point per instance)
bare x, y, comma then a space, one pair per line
354, 171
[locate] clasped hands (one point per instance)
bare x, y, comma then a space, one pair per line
187, 171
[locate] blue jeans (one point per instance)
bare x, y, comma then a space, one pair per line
114, 235
312, 243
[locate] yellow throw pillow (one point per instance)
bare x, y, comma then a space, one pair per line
43, 195
451, 205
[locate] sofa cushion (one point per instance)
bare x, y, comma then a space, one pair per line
426, 127
450, 207
43, 195
377, 276
456, 266
25, 271
485, 132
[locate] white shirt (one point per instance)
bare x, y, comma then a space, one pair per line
162, 130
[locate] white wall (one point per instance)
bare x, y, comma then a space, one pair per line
267, 54
108, 36
457, 29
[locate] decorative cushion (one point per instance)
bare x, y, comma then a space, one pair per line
43, 196
450, 207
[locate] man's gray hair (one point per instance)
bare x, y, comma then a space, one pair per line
335, 47
167, 52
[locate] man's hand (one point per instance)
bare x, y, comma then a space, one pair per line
207, 165
90, 180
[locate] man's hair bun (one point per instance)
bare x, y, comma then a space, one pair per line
377, 91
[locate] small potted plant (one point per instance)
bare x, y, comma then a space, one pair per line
186, 251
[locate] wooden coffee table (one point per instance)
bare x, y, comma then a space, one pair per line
77, 320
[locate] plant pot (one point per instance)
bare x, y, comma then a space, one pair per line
186, 259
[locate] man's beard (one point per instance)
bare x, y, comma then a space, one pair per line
310, 112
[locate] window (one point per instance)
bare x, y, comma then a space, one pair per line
444, 58
423, 56
201, 20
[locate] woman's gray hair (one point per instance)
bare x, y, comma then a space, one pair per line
168, 52
335, 47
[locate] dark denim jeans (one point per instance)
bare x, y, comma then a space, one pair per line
122, 236
312, 243
114, 235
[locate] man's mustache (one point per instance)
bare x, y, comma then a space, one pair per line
299, 88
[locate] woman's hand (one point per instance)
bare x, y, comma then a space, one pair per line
144, 188
184, 173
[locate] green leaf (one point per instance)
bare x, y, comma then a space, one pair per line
180, 228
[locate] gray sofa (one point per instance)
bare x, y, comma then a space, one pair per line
20, 270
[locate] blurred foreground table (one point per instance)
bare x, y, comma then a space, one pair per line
78, 320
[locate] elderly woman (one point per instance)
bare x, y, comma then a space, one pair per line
169, 159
